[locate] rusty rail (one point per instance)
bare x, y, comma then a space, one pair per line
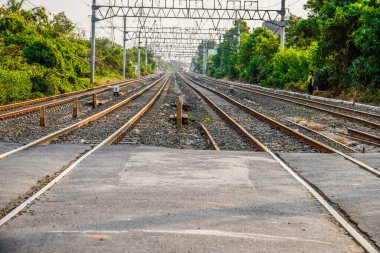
320, 146
108, 140
364, 134
212, 140
292, 100
323, 199
115, 136
324, 136
315, 143
60, 102
39, 100
53, 136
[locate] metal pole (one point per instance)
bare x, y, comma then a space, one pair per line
93, 20
124, 49
146, 52
238, 31
283, 23
138, 59
204, 58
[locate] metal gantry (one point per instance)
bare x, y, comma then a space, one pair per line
214, 11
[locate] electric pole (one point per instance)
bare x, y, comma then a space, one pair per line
146, 51
124, 49
93, 20
204, 58
283, 24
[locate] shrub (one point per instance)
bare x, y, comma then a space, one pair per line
14, 86
43, 52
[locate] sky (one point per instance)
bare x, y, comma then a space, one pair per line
79, 12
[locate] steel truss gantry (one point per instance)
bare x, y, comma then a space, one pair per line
187, 9
215, 11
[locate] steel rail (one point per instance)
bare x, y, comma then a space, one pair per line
291, 100
40, 100
302, 99
107, 141
53, 136
353, 230
130, 122
318, 145
324, 136
64, 101
212, 140
307, 139
361, 140
252, 139
367, 135
60, 102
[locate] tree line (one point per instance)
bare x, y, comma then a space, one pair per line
44, 55
338, 45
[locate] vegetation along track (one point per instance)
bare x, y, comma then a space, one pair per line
26, 128
344, 220
140, 103
332, 126
99, 115
254, 127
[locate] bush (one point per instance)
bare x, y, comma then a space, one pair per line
14, 86
289, 66
43, 52
46, 82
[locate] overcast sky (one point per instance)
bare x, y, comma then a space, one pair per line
79, 12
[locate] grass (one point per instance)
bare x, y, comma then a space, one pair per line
340, 139
207, 119
308, 123
298, 119
316, 126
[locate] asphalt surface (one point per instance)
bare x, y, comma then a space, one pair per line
139, 199
370, 159
21, 171
354, 190
5, 147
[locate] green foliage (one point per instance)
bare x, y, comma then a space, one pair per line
14, 85
339, 43
40, 55
43, 52
255, 51
289, 67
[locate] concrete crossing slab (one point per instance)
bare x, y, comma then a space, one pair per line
140, 199
354, 190
21, 171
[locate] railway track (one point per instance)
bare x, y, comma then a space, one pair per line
98, 130
313, 141
26, 128
332, 126
141, 104
366, 118
227, 138
32, 106
133, 135
66, 130
330, 205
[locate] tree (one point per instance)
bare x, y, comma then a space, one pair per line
255, 52
62, 24
14, 5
